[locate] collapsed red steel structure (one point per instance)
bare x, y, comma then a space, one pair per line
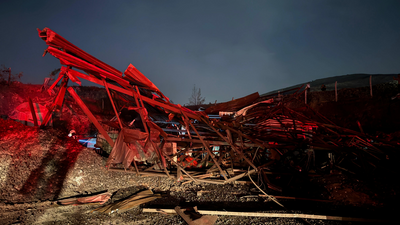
255, 136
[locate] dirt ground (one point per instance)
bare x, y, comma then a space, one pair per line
38, 167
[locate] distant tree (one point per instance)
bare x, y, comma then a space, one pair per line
16, 77
7, 76
196, 98
3, 73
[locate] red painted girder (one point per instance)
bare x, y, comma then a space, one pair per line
35, 122
90, 115
167, 106
53, 39
72, 77
59, 99
69, 60
141, 80
60, 76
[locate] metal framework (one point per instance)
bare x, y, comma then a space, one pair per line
250, 135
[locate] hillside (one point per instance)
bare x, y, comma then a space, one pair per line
343, 81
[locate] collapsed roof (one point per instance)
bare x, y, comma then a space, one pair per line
252, 132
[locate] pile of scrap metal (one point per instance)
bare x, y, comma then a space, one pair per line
159, 138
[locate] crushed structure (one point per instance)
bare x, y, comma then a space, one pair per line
253, 134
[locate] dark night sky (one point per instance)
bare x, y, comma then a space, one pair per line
227, 48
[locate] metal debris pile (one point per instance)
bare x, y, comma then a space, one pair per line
128, 203
223, 144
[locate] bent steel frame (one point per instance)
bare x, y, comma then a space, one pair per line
257, 132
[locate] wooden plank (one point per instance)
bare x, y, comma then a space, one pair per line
90, 116
240, 176
273, 215
211, 181
35, 122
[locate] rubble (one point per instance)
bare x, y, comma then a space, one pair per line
264, 133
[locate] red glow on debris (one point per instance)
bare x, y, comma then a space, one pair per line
187, 161
33, 153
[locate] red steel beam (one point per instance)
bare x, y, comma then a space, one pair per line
69, 60
90, 115
58, 101
53, 39
35, 122
167, 106
60, 76
63, 88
